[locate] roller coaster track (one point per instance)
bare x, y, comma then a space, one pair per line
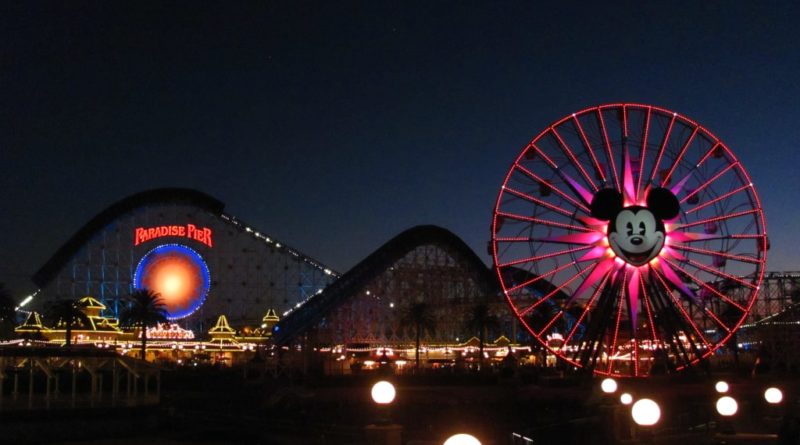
154, 197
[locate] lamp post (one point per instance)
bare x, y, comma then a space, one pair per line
609, 411
727, 407
383, 394
383, 432
646, 413
774, 396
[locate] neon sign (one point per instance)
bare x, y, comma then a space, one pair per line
169, 331
199, 234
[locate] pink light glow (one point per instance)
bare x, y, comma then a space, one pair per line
633, 296
629, 187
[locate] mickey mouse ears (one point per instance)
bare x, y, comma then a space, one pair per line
663, 203
607, 203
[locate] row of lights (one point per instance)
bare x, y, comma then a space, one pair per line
445, 349
727, 405
646, 412
127, 346
233, 220
383, 393
27, 300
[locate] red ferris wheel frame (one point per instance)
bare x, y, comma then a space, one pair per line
564, 275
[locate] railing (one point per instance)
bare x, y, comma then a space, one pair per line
519, 439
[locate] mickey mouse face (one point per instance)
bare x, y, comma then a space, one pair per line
634, 236
635, 233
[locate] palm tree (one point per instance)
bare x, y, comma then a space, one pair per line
730, 316
69, 312
8, 315
146, 309
420, 315
481, 319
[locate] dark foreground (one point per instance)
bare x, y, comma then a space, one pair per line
216, 407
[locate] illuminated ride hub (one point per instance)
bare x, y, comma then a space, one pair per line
178, 274
641, 219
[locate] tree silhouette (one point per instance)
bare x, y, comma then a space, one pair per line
146, 309
481, 319
420, 315
70, 313
730, 315
8, 315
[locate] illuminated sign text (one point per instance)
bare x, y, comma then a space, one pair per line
199, 234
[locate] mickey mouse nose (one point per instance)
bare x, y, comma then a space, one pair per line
636, 240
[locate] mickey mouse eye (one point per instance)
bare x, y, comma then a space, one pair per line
642, 229
629, 226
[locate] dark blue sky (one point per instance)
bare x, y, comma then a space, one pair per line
334, 125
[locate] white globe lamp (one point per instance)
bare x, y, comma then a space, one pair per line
609, 385
462, 439
722, 387
773, 395
727, 406
646, 412
383, 393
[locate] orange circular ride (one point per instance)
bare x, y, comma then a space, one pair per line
178, 274
629, 240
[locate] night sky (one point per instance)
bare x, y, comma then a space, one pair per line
333, 126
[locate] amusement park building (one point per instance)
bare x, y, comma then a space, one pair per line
181, 243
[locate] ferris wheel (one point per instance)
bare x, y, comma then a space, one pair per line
629, 240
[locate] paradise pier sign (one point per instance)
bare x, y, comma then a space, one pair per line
199, 234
